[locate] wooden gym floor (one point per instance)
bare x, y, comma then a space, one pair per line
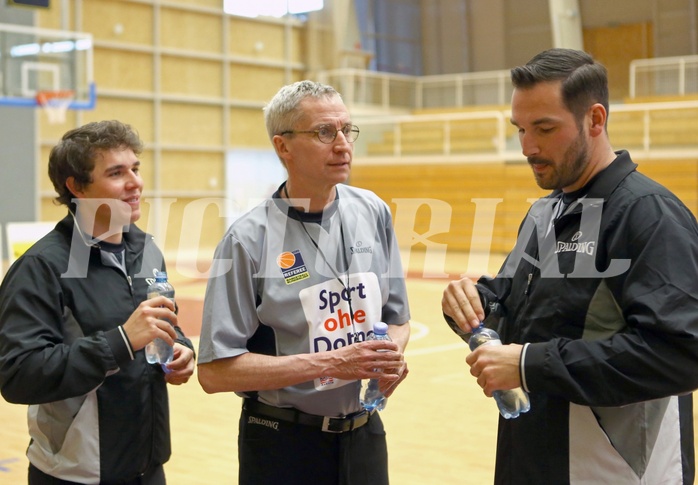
441, 428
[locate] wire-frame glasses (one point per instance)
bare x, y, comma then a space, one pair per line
328, 133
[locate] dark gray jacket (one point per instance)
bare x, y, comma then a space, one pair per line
98, 410
606, 306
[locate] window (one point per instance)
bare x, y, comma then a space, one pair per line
391, 29
270, 8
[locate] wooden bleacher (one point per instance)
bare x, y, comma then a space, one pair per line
669, 128
458, 184
427, 137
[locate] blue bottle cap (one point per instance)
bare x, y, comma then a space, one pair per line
380, 328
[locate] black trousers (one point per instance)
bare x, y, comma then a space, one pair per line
273, 452
156, 476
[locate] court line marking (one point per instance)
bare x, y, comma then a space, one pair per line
3, 468
420, 330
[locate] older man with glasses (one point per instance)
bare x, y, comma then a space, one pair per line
297, 284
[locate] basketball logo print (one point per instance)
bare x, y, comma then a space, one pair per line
286, 260
292, 266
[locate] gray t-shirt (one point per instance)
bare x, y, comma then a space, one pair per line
281, 286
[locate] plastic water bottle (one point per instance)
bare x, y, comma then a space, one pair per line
372, 397
158, 351
512, 402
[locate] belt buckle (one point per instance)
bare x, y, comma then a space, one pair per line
355, 420
326, 422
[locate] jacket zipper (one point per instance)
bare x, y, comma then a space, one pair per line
528, 284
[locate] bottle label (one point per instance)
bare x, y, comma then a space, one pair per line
490, 342
154, 294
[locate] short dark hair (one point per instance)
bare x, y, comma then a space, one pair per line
74, 156
584, 81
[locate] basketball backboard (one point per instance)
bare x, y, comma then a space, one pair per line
35, 60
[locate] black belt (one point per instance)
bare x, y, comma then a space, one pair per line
325, 423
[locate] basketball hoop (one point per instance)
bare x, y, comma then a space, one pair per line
55, 104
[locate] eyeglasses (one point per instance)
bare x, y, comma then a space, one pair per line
328, 133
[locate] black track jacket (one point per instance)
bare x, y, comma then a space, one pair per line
606, 305
97, 410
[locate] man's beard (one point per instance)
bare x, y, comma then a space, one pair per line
566, 173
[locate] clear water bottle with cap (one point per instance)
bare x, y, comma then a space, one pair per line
372, 397
158, 351
511, 402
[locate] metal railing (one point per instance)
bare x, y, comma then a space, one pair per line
664, 76
662, 130
436, 137
386, 106
387, 91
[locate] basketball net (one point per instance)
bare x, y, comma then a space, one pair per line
55, 104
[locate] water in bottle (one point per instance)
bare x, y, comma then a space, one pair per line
372, 397
158, 351
511, 402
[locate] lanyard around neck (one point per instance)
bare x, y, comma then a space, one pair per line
332, 268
